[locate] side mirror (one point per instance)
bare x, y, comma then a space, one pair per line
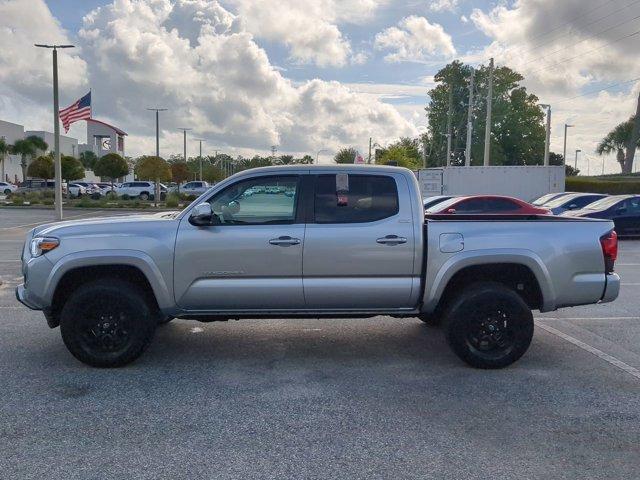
201, 215
450, 210
620, 210
573, 206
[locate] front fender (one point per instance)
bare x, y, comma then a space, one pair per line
435, 286
93, 258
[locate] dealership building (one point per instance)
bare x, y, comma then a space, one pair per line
102, 138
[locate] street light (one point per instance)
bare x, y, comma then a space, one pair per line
564, 150
157, 110
184, 140
324, 150
56, 128
547, 139
575, 165
200, 156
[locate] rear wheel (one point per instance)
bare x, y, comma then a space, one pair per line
7, 191
107, 323
489, 325
144, 196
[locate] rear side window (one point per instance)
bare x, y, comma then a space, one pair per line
473, 205
368, 198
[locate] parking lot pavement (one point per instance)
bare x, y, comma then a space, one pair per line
374, 398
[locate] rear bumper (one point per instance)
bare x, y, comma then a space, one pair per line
611, 289
22, 296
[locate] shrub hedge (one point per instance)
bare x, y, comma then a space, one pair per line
598, 185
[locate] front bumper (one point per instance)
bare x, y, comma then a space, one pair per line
611, 288
22, 295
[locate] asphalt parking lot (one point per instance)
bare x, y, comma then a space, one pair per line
375, 398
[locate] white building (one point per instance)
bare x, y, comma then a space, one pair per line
103, 138
68, 145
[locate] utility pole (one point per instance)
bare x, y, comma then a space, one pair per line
564, 149
487, 128
370, 140
449, 115
156, 194
547, 139
575, 165
467, 152
200, 155
56, 129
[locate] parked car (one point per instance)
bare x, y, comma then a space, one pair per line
90, 188
624, 210
324, 252
195, 188
75, 190
486, 204
573, 201
35, 184
434, 200
7, 188
142, 190
544, 199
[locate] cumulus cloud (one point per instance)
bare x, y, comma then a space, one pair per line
443, 5
198, 60
414, 40
309, 29
26, 68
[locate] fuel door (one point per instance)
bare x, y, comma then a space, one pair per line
451, 242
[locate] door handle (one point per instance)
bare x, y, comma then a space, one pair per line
284, 241
391, 240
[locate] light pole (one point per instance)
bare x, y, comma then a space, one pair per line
200, 140
575, 165
184, 141
564, 150
56, 128
156, 195
547, 139
603, 165
324, 150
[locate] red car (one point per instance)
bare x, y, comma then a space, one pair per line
486, 204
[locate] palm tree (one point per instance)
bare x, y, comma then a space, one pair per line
5, 148
616, 141
27, 149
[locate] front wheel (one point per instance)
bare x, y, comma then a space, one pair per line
107, 323
7, 191
489, 326
144, 196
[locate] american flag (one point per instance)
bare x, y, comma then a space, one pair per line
80, 110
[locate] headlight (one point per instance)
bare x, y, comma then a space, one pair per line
42, 245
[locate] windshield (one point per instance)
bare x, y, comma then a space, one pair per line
604, 203
442, 206
545, 198
561, 201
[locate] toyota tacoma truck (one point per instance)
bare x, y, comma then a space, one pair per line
314, 241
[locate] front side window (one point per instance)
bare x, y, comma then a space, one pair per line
473, 205
501, 205
262, 200
362, 198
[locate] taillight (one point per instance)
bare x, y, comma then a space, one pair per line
609, 244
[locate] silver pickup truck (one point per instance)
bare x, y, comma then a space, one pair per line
314, 241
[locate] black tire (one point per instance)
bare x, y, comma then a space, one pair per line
164, 319
7, 191
88, 328
95, 196
433, 320
488, 325
144, 196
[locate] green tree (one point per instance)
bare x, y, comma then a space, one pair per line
180, 173
404, 153
72, 169
558, 159
616, 142
27, 148
305, 160
154, 168
285, 160
517, 132
5, 149
88, 159
41, 167
111, 166
345, 155
212, 173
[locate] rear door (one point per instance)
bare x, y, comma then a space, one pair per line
359, 246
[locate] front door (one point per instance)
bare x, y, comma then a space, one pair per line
359, 250
251, 259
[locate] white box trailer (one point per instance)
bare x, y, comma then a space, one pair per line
524, 182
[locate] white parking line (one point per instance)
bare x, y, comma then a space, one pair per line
598, 353
47, 221
587, 318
